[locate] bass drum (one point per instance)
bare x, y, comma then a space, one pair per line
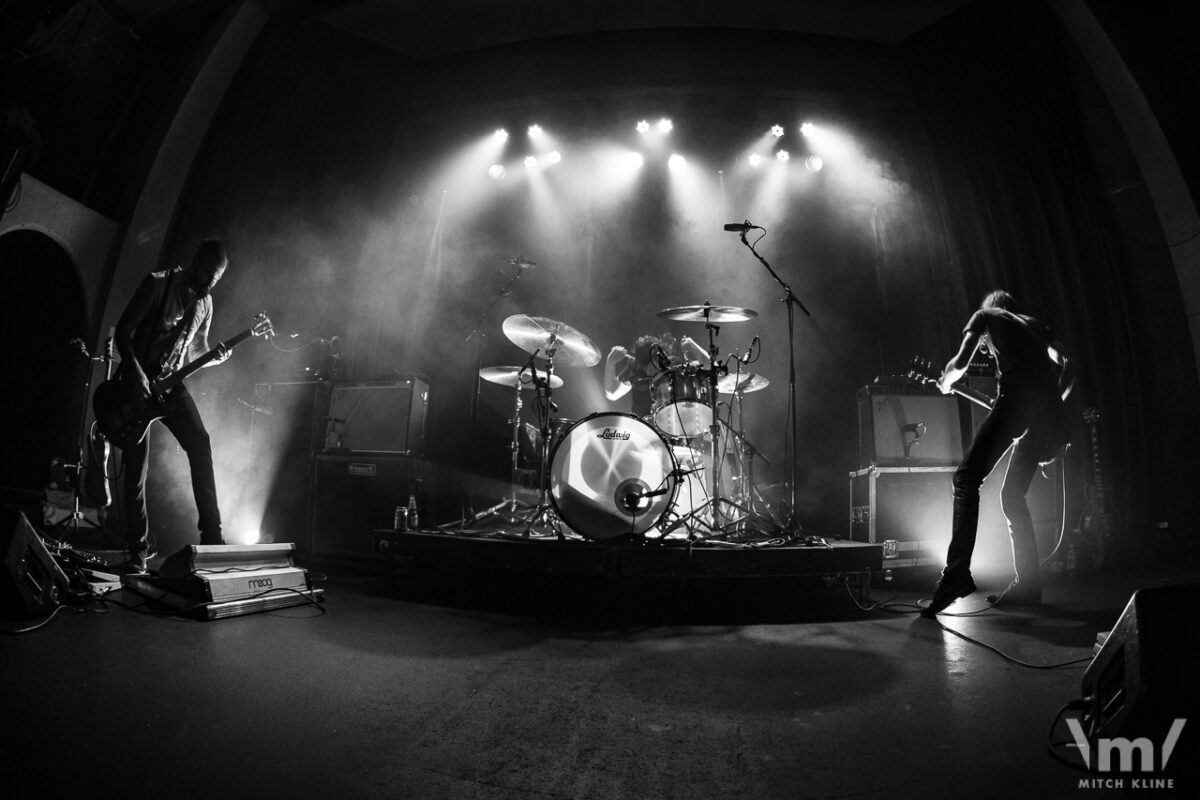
611, 474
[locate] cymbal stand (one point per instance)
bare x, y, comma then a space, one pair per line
715, 501
791, 526
543, 513
512, 501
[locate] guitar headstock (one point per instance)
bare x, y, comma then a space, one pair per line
262, 325
922, 370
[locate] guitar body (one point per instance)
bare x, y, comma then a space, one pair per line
123, 414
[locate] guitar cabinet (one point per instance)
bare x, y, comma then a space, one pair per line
906, 426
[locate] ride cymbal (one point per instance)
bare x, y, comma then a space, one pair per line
708, 313
567, 345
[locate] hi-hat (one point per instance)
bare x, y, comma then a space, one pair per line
745, 383
708, 313
517, 376
550, 337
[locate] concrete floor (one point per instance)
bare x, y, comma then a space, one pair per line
391, 698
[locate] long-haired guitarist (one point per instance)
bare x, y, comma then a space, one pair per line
164, 326
1035, 377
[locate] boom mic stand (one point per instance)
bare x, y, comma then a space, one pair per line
791, 526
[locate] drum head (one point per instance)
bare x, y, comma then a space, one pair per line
611, 475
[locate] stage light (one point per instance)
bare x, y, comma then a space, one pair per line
531, 161
783, 155
251, 537
807, 129
501, 134
535, 131
676, 162
643, 126
497, 172
553, 157
755, 159
634, 160
814, 163
664, 125
777, 131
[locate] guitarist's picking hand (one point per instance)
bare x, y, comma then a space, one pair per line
223, 354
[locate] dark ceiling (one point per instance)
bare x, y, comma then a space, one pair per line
422, 29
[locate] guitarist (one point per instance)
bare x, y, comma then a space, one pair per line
1035, 378
164, 326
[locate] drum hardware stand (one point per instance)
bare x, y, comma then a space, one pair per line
512, 501
543, 513
481, 339
715, 500
791, 527
748, 490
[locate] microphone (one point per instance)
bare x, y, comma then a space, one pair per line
740, 227
664, 363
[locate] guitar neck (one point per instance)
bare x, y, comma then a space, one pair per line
974, 395
176, 378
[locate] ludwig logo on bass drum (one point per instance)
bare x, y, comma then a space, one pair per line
612, 433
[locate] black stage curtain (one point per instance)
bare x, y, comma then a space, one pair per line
1010, 110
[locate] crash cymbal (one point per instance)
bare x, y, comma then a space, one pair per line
569, 346
708, 313
745, 383
512, 376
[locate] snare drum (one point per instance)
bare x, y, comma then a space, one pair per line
680, 402
612, 474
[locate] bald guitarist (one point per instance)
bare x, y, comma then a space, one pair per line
1035, 378
163, 328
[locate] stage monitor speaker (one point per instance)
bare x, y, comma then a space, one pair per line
356, 495
32, 583
1145, 675
384, 417
904, 426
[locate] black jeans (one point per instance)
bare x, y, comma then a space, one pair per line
1025, 420
184, 422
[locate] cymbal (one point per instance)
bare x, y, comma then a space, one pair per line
512, 376
708, 313
569, 346
746, 382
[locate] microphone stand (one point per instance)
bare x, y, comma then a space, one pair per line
792, 525
480, 339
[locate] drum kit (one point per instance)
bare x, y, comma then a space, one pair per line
615, 474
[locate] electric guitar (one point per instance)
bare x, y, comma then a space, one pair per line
923, 371
124, 414
1099, 524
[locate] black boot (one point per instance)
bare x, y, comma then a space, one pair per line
952, 586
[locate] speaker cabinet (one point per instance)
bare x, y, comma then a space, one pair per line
356, 495
385, 417
904, 427
32, 582
1145, 675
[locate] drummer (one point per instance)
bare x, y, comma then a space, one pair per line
651, 356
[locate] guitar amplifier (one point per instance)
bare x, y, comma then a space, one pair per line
379, 417
906, 426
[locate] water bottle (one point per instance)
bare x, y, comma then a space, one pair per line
400, 521
413, 519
